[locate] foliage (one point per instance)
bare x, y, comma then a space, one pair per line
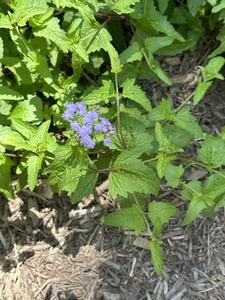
71, 107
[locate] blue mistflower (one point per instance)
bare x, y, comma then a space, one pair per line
89, 117
106, 142
80, 108
87, 141
75, 126
69, 112
85, 125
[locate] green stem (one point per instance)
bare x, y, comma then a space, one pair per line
118, 112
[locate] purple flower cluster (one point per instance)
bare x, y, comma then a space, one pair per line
86, 124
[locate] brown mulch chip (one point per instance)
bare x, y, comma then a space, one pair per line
51, 249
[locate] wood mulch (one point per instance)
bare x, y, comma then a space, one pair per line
51, 249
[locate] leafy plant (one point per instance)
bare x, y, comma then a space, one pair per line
71, 106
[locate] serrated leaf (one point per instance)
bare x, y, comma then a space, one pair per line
43, 69
84, 187
29, 110
129, 175
123, 6
9, 137
24, 128
176, 47
161, 112
155, 248
5, 22
132, 53
162, 163
195, 207
166, 146
134, 135
5, 108
101, 94
116, 66
211, 70
5, 178
62, 155
173, 175
52, 31
135, 93
191, 188
155, 43
153, 65
201, 90
160, 210
7, 93
38, 141
127, 218
25, 10
194, 5
34, 163
184, 117
157, 229
212, 151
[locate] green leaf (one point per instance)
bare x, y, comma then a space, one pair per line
134, 134
38, 142
9, 137
156, 43
155, 248
166, 145
212, 152
184, 117
34, 163
153, 65
52, 31
7, 93
194, 6
5, 178
25, 10
25, 129
62, 154
195, 207
176, 47
132, 53
5, 108
116, 66
157, 229
211, 70
161, 112
160, 210
134, 92
130, 175
5, 22
29, 110
173, 175
127, 218
190, 189
43, 69
101, 94
162, 163
200, 90
84, 187
123, 6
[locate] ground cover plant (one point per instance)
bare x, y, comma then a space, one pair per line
71, 107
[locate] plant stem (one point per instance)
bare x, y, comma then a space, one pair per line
118, 112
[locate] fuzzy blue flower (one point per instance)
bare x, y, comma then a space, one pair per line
80, 108
89, 117
106, 142
69, 112
84, 130
75, 126
87, 141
